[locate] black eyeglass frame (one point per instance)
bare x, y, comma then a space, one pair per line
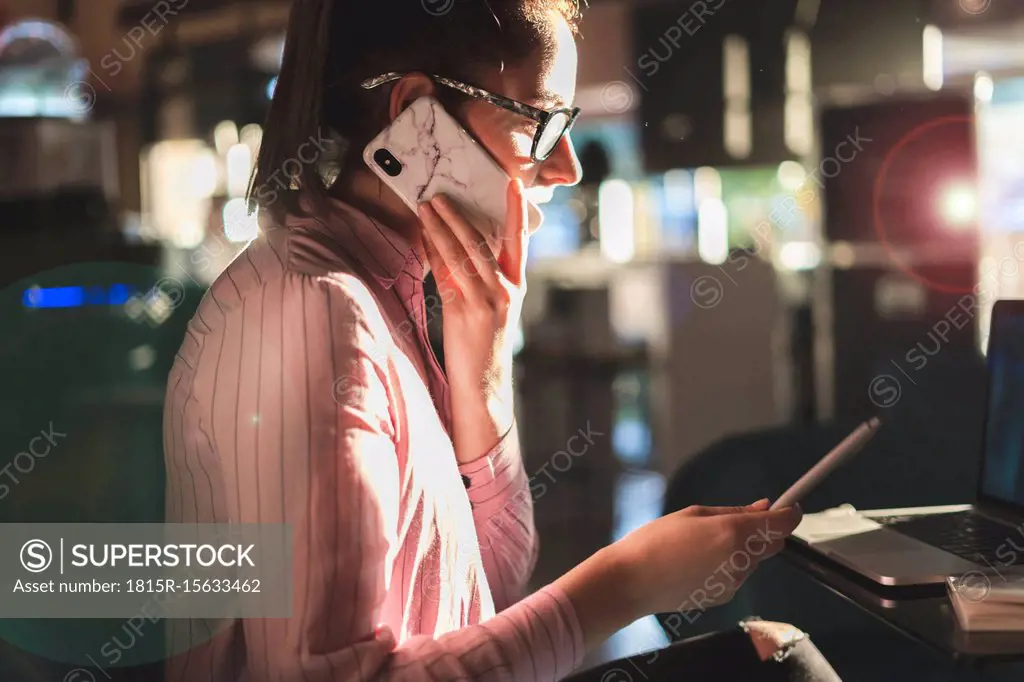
541, 116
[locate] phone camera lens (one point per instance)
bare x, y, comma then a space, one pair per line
387, 161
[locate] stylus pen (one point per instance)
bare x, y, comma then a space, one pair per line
809, 481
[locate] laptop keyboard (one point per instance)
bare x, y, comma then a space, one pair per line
966, 534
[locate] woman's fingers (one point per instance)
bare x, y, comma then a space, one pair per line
771, 527
437, 266
460, 254
514, 240
756, 534
444, 251
701, 510
477, 256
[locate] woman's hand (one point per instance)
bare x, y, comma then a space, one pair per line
482, 297
700, 556
684, 562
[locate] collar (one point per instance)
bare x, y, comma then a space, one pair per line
381, 250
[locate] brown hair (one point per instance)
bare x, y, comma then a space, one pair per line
333, 45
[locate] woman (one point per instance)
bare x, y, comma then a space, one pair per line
303, 395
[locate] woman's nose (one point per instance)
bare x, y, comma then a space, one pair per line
563, 166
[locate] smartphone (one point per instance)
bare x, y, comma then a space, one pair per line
425, 151
839, 454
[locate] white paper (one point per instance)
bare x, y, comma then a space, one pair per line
834, 523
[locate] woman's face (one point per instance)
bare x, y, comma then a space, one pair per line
546, 80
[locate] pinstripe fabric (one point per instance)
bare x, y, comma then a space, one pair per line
305, 392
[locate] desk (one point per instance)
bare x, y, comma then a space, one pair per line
923, 614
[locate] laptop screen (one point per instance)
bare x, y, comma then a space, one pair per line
1002, 475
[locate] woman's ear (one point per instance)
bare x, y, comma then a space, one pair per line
407, 90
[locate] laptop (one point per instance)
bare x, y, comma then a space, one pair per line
924, 545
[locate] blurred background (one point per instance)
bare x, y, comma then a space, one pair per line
794, 214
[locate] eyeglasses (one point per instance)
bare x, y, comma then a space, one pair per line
552, 125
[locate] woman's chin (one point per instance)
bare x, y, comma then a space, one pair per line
535, 216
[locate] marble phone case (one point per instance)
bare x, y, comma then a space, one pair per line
439, 156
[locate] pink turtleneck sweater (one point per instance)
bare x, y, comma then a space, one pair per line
306, 393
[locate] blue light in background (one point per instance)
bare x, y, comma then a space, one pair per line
95, 296
76, 297
54, 297
631, 440
118, 294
